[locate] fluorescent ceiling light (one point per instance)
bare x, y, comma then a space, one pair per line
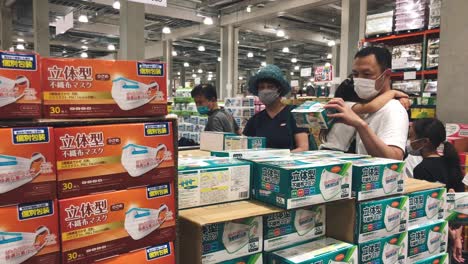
194, 75
296, 68
208, 21
331, 43
20, 40
83, 18
20, 47
116, 4
327, 64
111, 47
178, 73
64, 51
210, 78
84, 47
329, 56
241, 78
219, 58
264, 63
292, 73
280, 33
200, 71
294, 60
186, 64
166, 30
84, 55
174, 53
249, 9
285, 49
201, 48
250, 55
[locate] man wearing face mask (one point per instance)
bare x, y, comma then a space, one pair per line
383, 133
275, 123
219, 120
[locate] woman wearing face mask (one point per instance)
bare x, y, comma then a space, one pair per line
275, 123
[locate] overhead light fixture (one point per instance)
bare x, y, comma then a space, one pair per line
178, 73
166, 30
241, 78
331, 43
111, 47
309, 84
84, 55
200, 71
201, 48
210, 78
20, 47
329, 56
186, 64
250, 55
219, 58
292, 73
208, 21
263, 63
64, 51
174, 53
84, 47
327, 64
83, 18
194, 75
280, 33
285, 49
116, 4
296, 68
249, 9
294, 60
20, 40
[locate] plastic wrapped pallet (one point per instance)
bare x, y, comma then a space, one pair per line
407, 57
379, 23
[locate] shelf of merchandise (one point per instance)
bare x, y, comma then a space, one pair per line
404, 36
422, 73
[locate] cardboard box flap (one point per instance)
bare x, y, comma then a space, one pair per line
414, 185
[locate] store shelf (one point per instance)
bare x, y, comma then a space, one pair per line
404, 36
418, 73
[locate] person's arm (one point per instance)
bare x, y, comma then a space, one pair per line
378, 102
249, 129
302, 142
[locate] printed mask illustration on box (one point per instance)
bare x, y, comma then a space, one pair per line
138, 160
129, 94
21, 167
12, 90
140, 222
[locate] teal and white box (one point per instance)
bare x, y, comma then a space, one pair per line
377, 177
251, 153
438, 259
392, 249
252, 259
287, 228
427, 240
233, 239
213, 141
381, 218
312, 114
457, 207
326, 251
244, 142
294, 183
426, 206
209, 181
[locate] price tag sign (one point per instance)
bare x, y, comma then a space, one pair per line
409, 75
306, 72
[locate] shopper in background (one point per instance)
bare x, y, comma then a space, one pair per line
276, 122
219, 120
383, 133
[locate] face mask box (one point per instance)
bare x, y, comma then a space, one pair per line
159, 254
239, 102
101, 158
457, 207
251, 153
30, 233
214, 180
252, 259
287, 228
213, 141
329, 154
243, 142
388, 250
241, 111
427, 240
294, 183
311, 114
77, 88
456, 130
377, 177
327, 250
107, 224
27, 165
381, 218
438, 259
20, 85
426, 206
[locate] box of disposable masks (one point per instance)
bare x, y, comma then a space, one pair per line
159, 254
103, 88
213, 141
212, 180
437, 259
328, 154
107, 224
243, 142
327, 250
30, 233
27, 165
100, 158
377, 177
252, 259
294, 226
392, 249
311, 114
381, 218
457, 206
292, 183
20, 85
427, 240
251, 153
426, 206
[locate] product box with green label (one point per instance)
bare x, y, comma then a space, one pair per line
294, 183
213, 141
210, 181
457, 205
438, 259
251, 153
326, 251
329, 154
377, 177
252, 259
381, 218
311, 114
392, 249
426, 206
294, 226
427, 240
243, 142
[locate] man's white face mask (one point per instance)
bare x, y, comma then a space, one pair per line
235, 236
433, 241
432, 207
366, 88
17, 171
390, 180
140, 222
9, 91
138, 160
330, 184
392, 218
304, 221
129, 94
390, 253
16, 247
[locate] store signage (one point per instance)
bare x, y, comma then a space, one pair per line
323, 74
409, 75
64, 23
306, 72
295, 83
152, 2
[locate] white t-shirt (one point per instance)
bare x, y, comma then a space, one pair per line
410, 163
340, 135
390, 124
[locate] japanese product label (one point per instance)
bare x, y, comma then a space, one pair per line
440, 259
425, 206
457, 206
387, 250
103, 88
311, 114
213, 140
230, 240
377, 177
30, 233
457, 130
243, 142
239, 102
292, 183
101, 158
160, 254
20, 85
27, 165
322, 251
251, 153
426, 241
206, 182
252, 259
381, 218
106, 224
291, 227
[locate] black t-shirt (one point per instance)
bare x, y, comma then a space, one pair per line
435, 170
278, 131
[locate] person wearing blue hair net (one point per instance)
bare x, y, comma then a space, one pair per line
276, 123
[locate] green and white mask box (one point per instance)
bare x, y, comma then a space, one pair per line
251, 153
457, 205
233, 239
243, 142
252, 259
212, 180
311, 114
294, 226
294, 183
377, 177
388, 250
427, 205
427, 240
329, 154
323, 251
439, 259
381, 218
